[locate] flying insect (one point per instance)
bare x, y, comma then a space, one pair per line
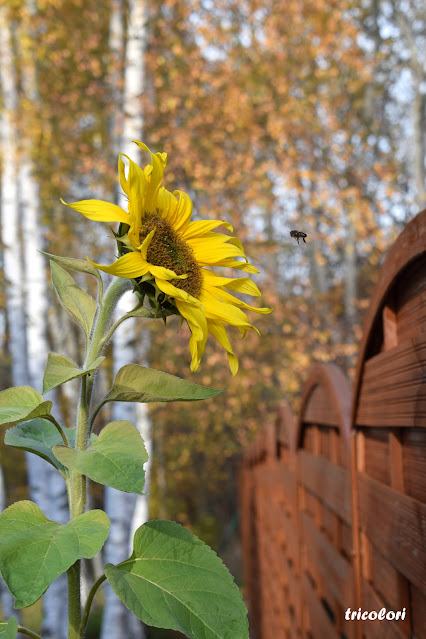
298, 235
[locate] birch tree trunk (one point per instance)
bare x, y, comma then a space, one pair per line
26, 285
13, 271
47, 488
126, 511
9, 210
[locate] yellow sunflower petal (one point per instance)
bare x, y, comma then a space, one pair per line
122, 175
241, 266
218, 331
227, 298
177, 293
240, 284
165, 273
133, 234
199, 331
214, 235
100, 211
236, 242
135, 187
143, 248
129, 265
158, 161
200, 227
211, 250
223, 312
167, 204
183, 212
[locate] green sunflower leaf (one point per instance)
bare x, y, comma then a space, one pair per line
20, 403
39, 436
116, 458
60, 369
134, 383
173, 580
76, 302
9, 628
82, 266
34, 550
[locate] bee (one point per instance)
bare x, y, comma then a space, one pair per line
298, 235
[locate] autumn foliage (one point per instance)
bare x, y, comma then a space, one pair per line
265, 111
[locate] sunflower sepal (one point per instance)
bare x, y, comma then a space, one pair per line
123, 243
162, 305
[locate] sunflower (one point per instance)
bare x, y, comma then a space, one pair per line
165, 249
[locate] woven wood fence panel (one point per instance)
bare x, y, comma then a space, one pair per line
333, 509
389, 417
286, 559
324, 498
249, 526
269, 530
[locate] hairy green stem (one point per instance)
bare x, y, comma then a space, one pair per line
77, 482
86, 611
51, 419
28, 632
114, 327
95, 414
127, 316
74, 600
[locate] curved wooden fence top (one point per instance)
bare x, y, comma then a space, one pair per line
400, 276
326, 401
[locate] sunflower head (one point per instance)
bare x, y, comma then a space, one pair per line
169, 257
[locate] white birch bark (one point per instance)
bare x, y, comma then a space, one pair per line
126, 512
47, 487
13, 271
12, 265
26, 284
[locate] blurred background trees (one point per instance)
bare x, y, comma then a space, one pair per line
275, 115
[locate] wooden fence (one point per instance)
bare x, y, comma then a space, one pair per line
333, 500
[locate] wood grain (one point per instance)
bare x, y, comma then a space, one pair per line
393, 388
378, 629
395, 524
321, 624
328, 482
336, 570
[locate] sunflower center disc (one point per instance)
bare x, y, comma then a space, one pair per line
167, 249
